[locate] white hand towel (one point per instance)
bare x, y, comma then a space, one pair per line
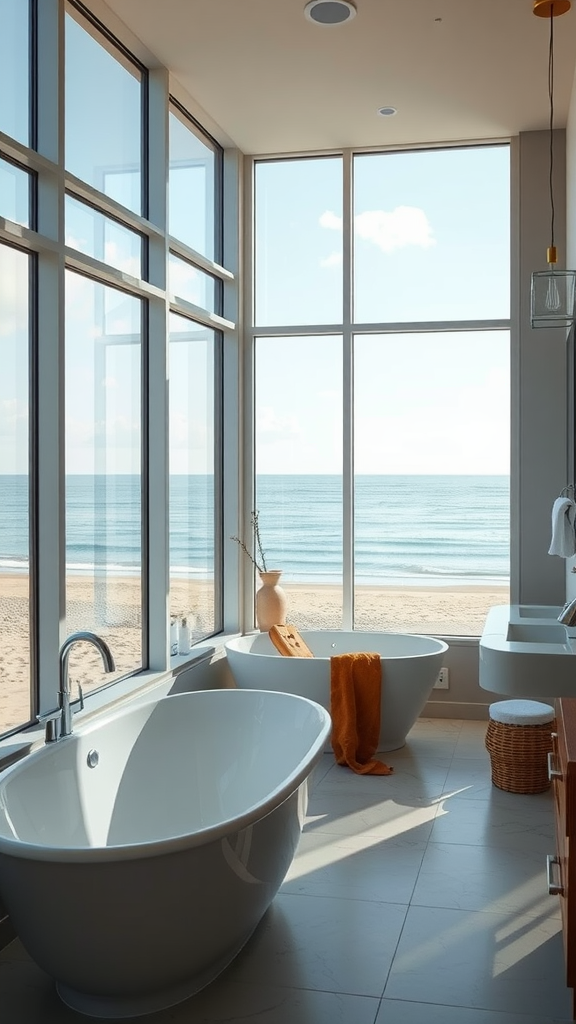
563, 534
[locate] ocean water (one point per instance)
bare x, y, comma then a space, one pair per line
408, 529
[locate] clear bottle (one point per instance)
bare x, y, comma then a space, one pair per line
184, 638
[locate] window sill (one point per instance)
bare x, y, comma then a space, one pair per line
110, 698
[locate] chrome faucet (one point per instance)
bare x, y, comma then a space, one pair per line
59, 722
568, 614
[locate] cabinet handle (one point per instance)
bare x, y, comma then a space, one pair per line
553, 889
553, 772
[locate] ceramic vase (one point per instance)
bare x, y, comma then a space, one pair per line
270, 601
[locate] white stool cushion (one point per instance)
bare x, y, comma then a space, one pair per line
521, 712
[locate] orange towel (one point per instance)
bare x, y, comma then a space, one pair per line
355, 694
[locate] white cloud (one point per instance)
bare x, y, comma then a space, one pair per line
116, 257
403, 226
406, 225
331, 220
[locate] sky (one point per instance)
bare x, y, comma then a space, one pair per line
431, 242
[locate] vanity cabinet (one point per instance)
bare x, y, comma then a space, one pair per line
561, 865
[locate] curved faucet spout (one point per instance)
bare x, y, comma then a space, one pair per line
64, 682
568, 614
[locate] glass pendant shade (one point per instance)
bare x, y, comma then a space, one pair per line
552, 297
552, 291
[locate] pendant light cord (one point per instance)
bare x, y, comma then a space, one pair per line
551, 96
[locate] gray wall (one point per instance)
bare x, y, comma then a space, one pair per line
540, 402
571, 262
539, 379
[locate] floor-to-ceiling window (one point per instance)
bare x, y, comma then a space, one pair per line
195, 362
382, 381
15, 665
111, 337
17, 283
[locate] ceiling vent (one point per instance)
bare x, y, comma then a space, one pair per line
329, 12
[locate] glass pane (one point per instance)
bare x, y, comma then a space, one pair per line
15, 680
299, 473
15, 69
14, 193
431, 498
432, 235
192, 284
103, 238
192, 495
103, 117
103, 476
298, 242
191, 189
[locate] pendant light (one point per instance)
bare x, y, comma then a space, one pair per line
553, 290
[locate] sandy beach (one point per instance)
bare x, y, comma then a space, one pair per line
113, 610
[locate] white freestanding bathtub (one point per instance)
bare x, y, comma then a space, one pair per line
410, 666
138, 855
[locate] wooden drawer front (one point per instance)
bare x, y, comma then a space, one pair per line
557, 773
563, 777
561, 877
569, 914
564, 757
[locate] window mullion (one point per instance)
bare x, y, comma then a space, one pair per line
232, 371
48, 445
156, 462
347, 397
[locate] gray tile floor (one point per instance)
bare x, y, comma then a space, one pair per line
416, 898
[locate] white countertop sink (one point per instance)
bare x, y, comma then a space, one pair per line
536, 633
525, 652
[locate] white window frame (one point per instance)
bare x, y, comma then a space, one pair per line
347, 329
53, 258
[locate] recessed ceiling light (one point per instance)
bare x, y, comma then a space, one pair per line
329, 12
387, 111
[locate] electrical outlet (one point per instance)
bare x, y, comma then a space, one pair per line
442, 680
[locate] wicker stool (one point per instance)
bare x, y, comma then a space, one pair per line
518, 739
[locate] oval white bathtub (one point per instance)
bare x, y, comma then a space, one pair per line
410, 666
136, 881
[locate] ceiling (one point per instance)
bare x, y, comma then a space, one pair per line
273, 82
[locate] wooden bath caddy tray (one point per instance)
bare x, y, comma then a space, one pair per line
288, 641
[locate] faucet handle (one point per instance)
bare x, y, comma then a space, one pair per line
52, 721
78, 703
